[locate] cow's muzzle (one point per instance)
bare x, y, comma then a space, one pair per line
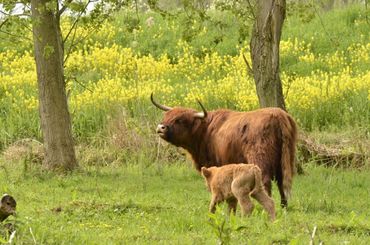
162, 130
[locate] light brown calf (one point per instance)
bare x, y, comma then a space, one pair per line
234, 183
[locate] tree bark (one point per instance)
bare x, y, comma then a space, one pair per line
53, 108
265, 41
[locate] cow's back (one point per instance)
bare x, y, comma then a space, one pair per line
250, 137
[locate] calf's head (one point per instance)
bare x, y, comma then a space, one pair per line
207, 174
179, 124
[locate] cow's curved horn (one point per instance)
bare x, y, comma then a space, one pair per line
203, 114
162, 107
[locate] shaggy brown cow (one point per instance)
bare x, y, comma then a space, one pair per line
265, 137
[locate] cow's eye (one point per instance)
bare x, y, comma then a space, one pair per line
179, 121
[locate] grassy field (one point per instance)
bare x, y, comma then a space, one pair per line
133, 188
146, 203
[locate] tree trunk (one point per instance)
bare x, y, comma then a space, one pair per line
265, 41
53, 108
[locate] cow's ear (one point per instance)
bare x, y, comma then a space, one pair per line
205, 172
196, 124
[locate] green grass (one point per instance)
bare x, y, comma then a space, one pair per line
125, 197
144, 203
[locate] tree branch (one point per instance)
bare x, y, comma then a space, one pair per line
137, 10
81, 84
323, 26
14, 15
76, 20
64, 7
14, 35
251, 9
70, 47
366, 13
153, 6
249, 68
3, 23
73, 43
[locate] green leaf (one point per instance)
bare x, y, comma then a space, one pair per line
8, 6
239, 228
76, 6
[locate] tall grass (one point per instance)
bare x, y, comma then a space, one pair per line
138, 202
332, 31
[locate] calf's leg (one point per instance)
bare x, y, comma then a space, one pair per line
242, 194
232, 202
267, 203
214, 201
246, 204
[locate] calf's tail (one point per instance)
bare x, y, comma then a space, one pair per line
258, 184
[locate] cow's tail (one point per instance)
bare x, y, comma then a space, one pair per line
289, 138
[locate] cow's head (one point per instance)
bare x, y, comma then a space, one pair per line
179, 124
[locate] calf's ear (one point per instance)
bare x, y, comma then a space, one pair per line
205, 172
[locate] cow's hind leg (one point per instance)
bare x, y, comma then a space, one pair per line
267, 184
284, 200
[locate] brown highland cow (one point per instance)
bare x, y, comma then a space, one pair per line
265, 137
234, 183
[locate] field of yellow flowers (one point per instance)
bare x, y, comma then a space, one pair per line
101, 77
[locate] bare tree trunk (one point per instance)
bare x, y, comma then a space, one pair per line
55, 118
265, 41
